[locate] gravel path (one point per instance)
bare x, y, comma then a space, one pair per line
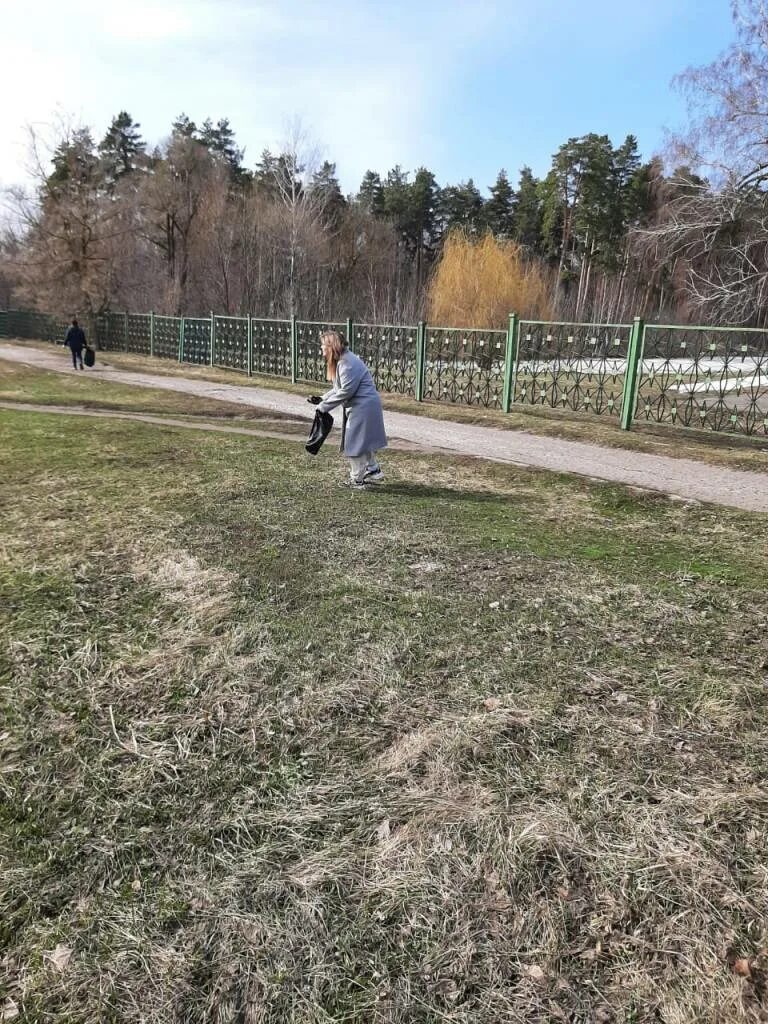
683, 478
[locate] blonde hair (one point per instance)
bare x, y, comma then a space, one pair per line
336, 349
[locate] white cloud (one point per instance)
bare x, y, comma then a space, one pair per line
379, 82
365, 78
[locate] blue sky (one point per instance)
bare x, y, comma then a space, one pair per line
463, 88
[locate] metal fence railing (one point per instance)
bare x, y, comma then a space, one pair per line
572, 366
704, 377
711, 378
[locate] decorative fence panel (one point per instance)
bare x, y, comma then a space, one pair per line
572, 366
465, 366
230, 342
711, 378
310, 364
271, 347
167, 336
138, 333
390, 353
41, 326
110, 331
197, 340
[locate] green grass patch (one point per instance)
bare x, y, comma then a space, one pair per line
27, 384
482, 744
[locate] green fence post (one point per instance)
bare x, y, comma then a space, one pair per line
634, 353
181, 340
213, 336
350, 328
125, 331
294, 351
421, 363
510, 362
249, 336
151, 332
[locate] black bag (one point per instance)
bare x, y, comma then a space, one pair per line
321, 428
89, 356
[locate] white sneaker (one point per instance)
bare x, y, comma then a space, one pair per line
373, 476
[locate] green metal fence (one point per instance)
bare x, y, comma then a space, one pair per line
230, 342
43, 326
573, 366
465, 366
704, 377
164, 340
390, 352
711, 378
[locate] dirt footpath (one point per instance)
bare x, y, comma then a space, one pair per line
683, 478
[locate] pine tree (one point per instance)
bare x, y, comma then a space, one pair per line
462, 206
499, 210
371, 194
396, 198
527, 214
325, 185
75, 162
219, 139
121, 146
421, 220
550, 215
581, 200
423, 201
632, 179
185, 127
264, 174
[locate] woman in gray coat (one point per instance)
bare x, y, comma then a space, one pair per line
354, 390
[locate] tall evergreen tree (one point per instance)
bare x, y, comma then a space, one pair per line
581, 202
220, 140
420, 225
121, 146
371, 194
551, 219
499, 210
633, 180
264, 174
325, 185
396, 197
462, 206
185, 127
526, 216
75, 162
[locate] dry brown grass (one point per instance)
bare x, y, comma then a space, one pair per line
481, 745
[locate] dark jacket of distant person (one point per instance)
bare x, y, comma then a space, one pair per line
75, 338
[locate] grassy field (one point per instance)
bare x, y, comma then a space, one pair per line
724, 449
480, 745
27, 384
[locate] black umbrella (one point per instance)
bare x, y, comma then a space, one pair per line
321, 428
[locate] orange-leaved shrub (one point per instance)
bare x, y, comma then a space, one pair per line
478, 282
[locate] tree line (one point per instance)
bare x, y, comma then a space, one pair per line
188, 227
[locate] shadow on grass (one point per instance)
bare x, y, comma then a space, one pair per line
431, 492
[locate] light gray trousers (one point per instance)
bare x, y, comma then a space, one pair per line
359, 465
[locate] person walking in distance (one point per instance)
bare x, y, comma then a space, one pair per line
75, 341
354, 390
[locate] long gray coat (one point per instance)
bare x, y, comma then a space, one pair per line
354, 389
